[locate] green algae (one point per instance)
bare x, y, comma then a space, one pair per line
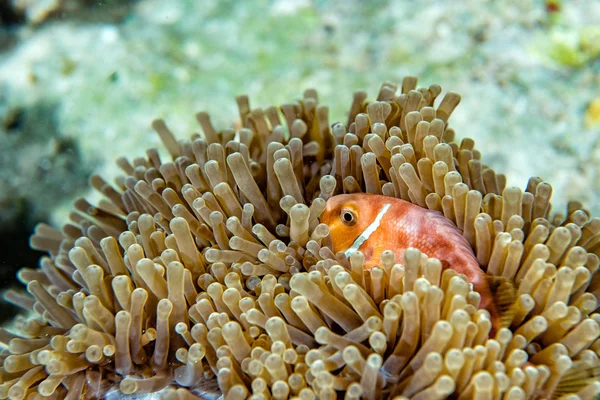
579, 50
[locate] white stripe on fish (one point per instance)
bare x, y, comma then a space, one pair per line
364, 236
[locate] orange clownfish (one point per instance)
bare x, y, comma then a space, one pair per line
372, 224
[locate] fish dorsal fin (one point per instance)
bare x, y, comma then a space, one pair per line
581, 374
504, 293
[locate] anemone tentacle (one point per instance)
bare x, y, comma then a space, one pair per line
210, 272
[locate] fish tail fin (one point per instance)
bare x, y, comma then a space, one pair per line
504, 294
581, 374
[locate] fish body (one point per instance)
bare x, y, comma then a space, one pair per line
372, 224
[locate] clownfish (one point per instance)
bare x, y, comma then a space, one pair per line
372, 224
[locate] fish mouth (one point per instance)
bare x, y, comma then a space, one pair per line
325, 217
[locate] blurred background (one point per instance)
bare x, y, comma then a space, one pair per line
81, 80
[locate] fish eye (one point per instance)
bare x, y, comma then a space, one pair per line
348, 216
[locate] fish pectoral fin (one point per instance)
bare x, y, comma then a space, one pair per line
581, 374
504, 294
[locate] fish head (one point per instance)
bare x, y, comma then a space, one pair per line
351, 215
347, 216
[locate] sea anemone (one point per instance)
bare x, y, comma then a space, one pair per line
211, 273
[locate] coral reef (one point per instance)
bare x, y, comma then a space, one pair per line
110, 74
211, 273
37, 162
35, 151
35, 12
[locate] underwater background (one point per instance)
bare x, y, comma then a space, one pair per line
81, 80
